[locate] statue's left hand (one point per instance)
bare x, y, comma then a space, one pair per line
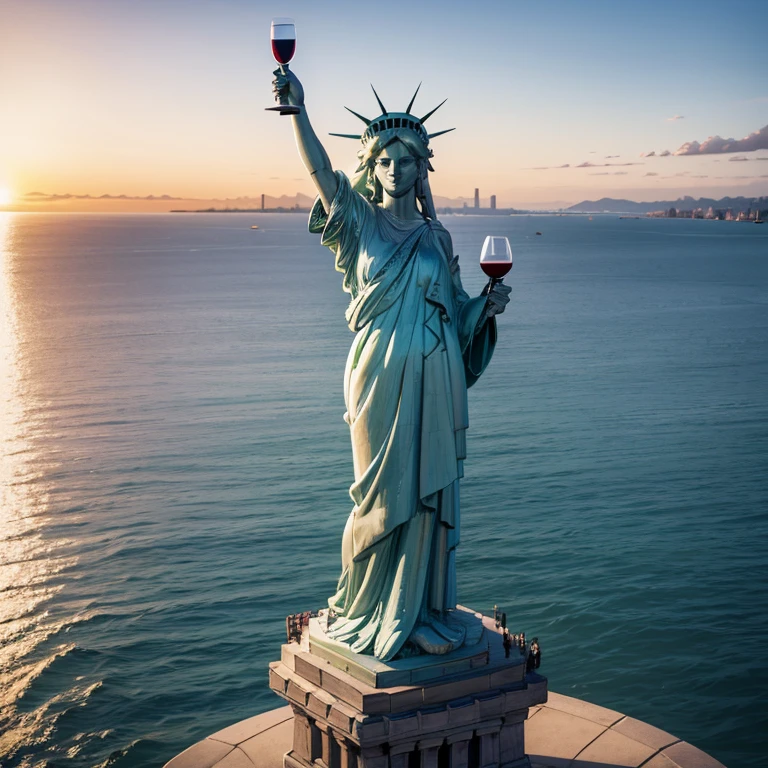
498, 298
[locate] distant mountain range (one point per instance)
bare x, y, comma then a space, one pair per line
687, 203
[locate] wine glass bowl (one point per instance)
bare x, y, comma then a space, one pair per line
282, 36
496, 257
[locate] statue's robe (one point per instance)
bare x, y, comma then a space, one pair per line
420, 342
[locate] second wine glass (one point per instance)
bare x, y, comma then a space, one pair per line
495, 259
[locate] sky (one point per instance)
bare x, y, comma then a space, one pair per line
553, 102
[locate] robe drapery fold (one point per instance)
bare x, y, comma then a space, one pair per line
420, 342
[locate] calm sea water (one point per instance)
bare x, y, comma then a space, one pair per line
175, 471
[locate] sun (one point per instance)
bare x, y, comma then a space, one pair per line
5, 196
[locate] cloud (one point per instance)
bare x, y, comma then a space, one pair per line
609, 173
648, 154
685, 175
608, 157
587, 164
676, 117
651, 173
45, 197
716, 145
738, 160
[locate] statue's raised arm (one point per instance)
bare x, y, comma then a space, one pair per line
312, 152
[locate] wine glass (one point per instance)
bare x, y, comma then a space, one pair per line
283, 37
495, 260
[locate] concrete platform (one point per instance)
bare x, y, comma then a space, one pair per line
563, 733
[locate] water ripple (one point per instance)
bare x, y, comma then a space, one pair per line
176, 473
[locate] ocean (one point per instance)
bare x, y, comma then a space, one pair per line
175, 470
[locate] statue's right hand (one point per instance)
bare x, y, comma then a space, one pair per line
288, 85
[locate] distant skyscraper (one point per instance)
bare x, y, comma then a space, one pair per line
493, 202
477, 198
262, 201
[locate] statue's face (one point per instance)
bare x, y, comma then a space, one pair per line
396, 169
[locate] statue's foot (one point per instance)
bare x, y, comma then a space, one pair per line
430, 641
453, 633
471, 625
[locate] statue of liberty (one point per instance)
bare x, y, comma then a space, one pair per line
420, 342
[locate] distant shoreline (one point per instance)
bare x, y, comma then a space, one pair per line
442, 211
244, 210
482, 212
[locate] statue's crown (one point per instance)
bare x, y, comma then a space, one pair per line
393, 121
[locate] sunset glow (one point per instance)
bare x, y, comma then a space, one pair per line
564, 104
6, 197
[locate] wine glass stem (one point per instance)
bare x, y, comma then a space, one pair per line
284, 96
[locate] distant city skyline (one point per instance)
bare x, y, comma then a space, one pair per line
126, 105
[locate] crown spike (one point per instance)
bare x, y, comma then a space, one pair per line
383, 108
429, 114
440, 133
358, 115
408, 108
354, 136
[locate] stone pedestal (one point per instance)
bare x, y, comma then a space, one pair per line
462, 710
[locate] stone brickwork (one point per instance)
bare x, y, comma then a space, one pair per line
472, 721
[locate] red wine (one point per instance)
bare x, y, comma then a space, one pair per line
496, 269
283, 50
